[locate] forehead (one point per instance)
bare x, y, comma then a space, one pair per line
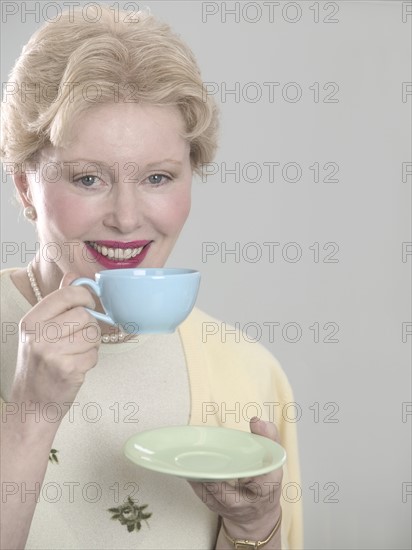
117, 131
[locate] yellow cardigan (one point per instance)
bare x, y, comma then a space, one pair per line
234, 379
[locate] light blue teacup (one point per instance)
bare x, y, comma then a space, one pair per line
144, 300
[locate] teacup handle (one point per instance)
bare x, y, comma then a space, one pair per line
84, 281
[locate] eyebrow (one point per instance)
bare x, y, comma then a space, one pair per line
107, 166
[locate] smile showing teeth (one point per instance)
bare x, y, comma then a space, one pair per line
116, 253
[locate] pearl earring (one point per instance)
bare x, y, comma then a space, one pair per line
30, 213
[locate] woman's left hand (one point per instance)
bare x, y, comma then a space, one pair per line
250, 506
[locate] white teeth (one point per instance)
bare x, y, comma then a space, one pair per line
117, 253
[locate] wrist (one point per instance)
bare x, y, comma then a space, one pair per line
243, 537
29, 429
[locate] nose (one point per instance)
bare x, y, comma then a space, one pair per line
125, 210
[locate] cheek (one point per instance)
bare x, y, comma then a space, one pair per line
172, 214
68, 214
182, 211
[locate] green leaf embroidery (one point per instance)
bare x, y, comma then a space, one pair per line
131, 515
53, 456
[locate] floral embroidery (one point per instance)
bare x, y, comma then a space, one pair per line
53, 456
131, 515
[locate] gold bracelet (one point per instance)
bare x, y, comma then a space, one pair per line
240, 544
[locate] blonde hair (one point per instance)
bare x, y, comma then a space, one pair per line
72, 64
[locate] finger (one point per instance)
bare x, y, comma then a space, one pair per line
266, 429
79, 343
67, 279
75, 320
87, 360
74, 344
63, 300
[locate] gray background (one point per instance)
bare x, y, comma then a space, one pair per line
358, 446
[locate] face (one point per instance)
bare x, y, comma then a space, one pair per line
117, 196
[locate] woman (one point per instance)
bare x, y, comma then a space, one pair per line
103, 155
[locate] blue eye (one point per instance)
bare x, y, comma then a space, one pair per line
88, 181
158, 179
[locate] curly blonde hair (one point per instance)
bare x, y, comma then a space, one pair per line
72, 64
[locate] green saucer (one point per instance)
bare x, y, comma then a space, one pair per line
204, 453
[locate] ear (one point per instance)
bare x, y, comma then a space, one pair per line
23, 188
